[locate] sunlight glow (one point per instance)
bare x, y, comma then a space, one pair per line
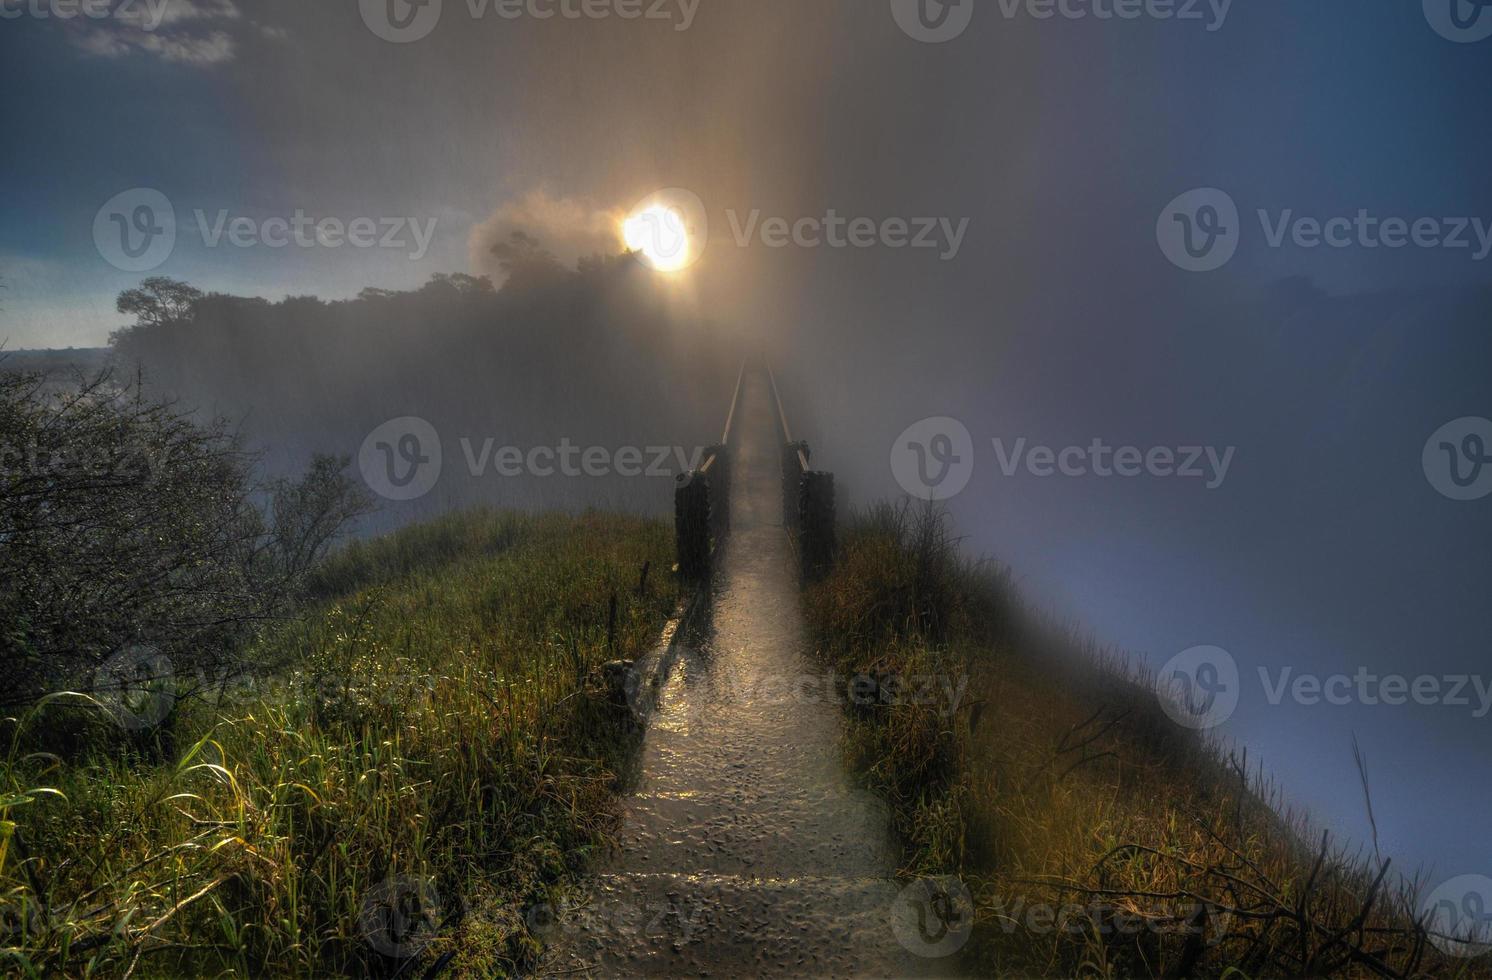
659, 234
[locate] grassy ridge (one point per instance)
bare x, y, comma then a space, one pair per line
432, 739
1097, 838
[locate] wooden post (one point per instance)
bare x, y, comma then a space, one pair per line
719, 480
691, 514
792, 483
816, 541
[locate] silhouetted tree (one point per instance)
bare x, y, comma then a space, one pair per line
159, 300
526, 263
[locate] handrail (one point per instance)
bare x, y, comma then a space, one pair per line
787, 433
730, 419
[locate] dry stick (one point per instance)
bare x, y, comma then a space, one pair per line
162, 920
1362, 773
1303, 906
1361, 917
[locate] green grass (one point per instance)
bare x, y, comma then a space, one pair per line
432, 731
1088, 827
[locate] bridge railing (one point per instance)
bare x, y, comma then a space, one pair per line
807, 498
701, 500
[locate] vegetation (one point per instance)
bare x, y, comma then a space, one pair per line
1097, 838
424, 752
554, 352
134, 535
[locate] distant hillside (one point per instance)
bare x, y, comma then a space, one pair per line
597, 358
68, 361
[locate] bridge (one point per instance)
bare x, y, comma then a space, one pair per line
746, 848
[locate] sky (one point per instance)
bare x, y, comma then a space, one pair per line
1058, 303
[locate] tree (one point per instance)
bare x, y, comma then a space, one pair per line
310, 513
525, 262
126, 526
159, 301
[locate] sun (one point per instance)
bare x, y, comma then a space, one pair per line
660, 236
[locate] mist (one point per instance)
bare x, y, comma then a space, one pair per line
906, 230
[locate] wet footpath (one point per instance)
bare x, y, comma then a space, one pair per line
746, 850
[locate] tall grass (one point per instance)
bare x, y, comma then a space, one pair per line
432, 751
1098, 838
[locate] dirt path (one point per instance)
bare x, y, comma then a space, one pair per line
746, 849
